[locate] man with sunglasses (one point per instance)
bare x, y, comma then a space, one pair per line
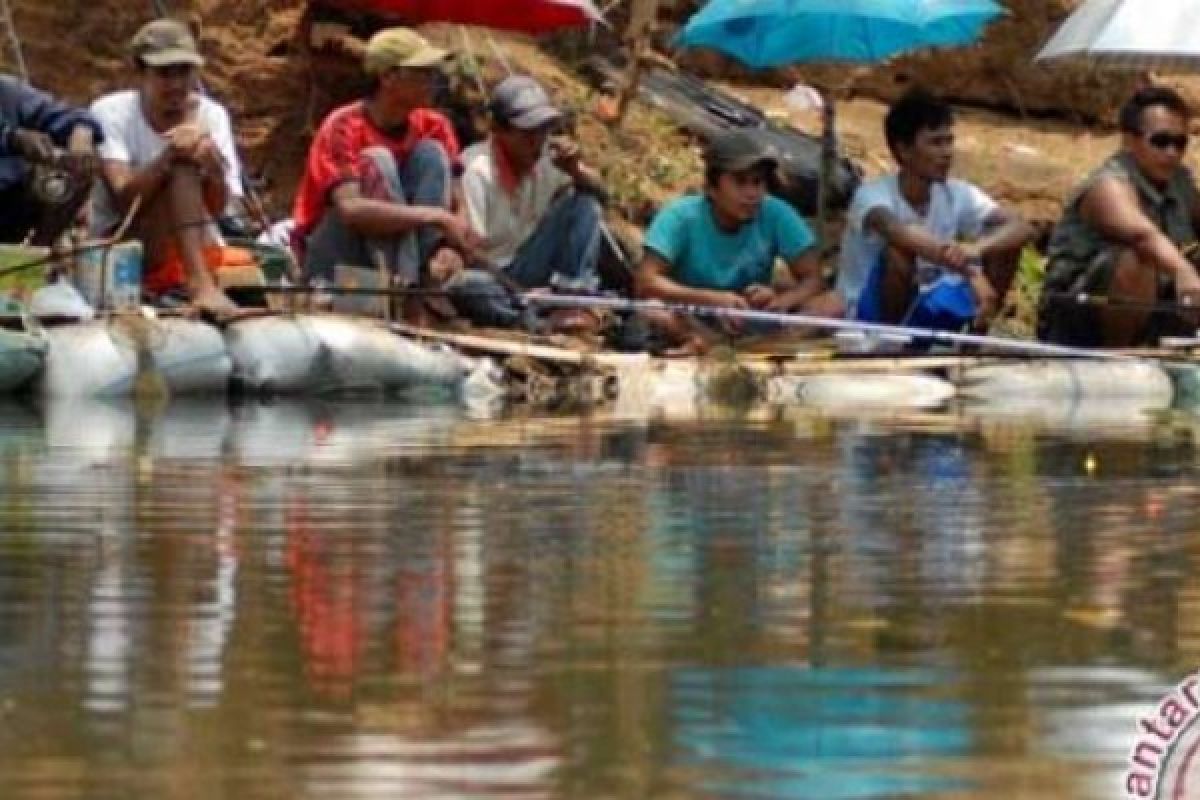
173, 147
1125, 235
536, 204
378, 186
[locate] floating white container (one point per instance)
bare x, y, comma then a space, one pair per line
1069, 379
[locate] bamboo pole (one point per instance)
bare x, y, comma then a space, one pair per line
641, 25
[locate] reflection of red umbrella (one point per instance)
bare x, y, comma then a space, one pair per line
528, 16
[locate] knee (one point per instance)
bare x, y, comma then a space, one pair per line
379, 158
1129, 272
584, 208
430, 154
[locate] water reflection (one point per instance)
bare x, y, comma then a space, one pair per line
791, 732
379, 600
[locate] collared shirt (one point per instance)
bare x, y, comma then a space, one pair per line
22, 106
505, 208
1077, 241
333, 158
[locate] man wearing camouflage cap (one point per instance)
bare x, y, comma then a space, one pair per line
719, 248
172, 146
378, 181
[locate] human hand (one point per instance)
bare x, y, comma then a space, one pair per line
444, 265
1187, 294
80, 158
986, 298
565, 154
759, 296
460, 235
34, 146
208, 157
956, 256
186, 142
734, 301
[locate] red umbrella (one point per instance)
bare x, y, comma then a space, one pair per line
527, 16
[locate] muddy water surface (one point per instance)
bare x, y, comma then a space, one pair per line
382, 601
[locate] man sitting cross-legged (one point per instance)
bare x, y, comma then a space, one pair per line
922, 248
719, 248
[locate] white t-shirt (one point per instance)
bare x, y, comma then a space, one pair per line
129, 138
506, 219
957, 210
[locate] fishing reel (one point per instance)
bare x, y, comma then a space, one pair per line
52, 185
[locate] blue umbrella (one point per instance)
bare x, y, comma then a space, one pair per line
773, 33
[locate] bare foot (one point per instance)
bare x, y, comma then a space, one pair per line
693, 346
216, 303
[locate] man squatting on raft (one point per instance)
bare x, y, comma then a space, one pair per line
1125, 235
922, 248
719, 248
537, 205
173, 147
378, 185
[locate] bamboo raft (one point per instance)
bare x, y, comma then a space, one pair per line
320, 354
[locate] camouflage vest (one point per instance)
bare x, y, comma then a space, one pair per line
1170, 208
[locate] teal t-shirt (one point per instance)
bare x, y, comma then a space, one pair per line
685, 234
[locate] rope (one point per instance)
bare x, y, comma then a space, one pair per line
14, 41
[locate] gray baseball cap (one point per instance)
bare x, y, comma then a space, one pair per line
739, 150
521, 102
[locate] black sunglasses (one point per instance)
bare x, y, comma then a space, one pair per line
1163, 141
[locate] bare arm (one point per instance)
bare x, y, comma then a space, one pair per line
910, 238
127, 182
1111, 205
652, 282
806, 270
380, 218
568, 158
1005, 232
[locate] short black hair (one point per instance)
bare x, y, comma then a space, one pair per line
916, 110
1130, 119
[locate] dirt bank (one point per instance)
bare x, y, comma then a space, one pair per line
77, 49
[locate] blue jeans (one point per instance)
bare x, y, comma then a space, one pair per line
422, 180
564, 247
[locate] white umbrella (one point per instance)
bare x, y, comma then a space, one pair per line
1130, 34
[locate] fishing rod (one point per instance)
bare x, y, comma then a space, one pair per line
68, 252
826, 323
1121, 303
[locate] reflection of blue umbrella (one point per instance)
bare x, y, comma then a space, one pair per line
836, 733
773, 33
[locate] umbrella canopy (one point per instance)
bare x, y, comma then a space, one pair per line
1130, 34
526, 16
770, 33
